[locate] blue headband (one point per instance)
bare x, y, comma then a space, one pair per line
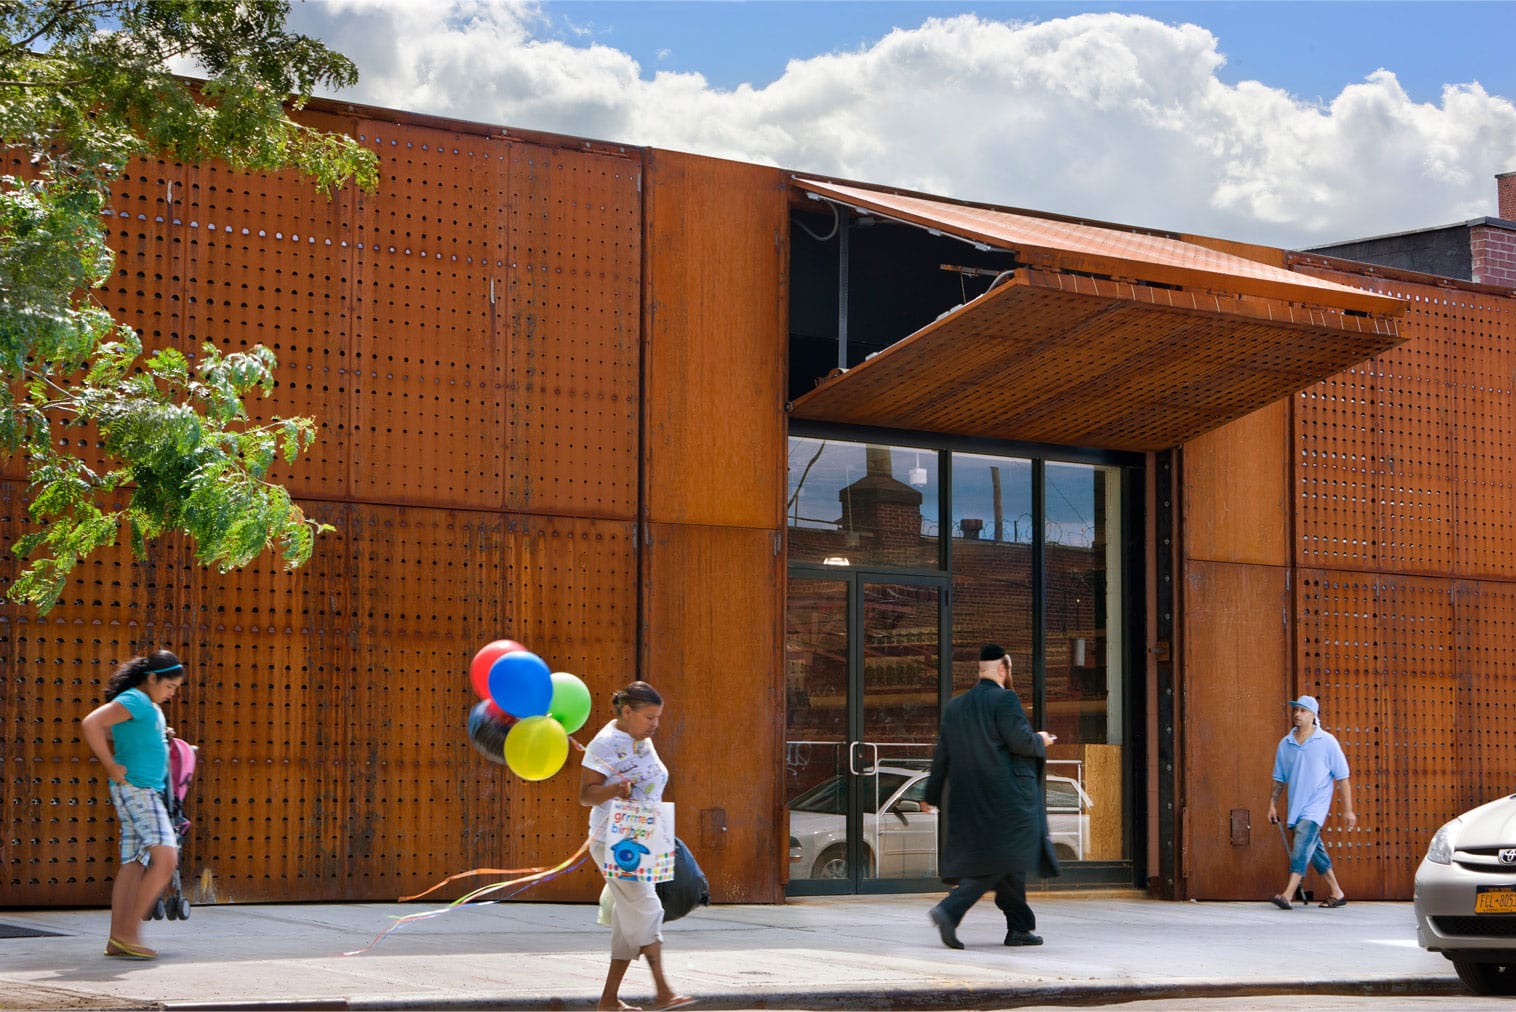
164, 671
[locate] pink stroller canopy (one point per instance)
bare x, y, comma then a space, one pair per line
181, 766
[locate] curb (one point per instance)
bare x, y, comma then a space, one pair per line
913, 1000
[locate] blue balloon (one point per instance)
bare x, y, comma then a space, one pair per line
521, 684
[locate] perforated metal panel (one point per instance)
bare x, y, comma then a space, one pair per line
575, 320
59, 840
1405, 534
428, 355
329, 703
1087, 362
266, 259
1378, 652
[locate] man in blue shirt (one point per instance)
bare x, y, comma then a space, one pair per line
1309, 762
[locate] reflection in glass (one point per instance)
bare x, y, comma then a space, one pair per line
992, 564
1083, 646
815, 683
901, 627
855, 504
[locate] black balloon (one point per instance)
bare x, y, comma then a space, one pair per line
487, 731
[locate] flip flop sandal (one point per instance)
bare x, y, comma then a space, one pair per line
121, 950
1281, 902
1332, 904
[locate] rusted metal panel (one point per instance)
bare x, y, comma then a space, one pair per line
717, 319
60, 844
1337, 511
1482, 734
266, 259
1376, 649
1237, 491
1081, 361
572, 380
571, 596
1445, 463
427, 405
714, 599
1053, 243
1236, 662
264, 700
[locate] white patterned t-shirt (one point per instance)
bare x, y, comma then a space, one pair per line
619, 756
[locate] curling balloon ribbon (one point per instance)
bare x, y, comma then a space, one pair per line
534, 875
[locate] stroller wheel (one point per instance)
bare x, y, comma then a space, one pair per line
184, 909
157, 912
171, 908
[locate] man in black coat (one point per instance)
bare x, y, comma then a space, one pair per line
987, 776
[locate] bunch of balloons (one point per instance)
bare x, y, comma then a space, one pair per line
525, 712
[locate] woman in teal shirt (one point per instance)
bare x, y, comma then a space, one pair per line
127, 736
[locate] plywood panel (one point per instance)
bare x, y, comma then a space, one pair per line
1236, 640
1236, 497
718, 338
712, 646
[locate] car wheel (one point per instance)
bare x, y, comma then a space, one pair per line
833, 863
1486, 978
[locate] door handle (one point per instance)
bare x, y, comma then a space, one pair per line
852, 753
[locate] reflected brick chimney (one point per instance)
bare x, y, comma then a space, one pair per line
883, 510
1506, 182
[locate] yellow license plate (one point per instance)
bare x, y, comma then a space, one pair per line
1495, 900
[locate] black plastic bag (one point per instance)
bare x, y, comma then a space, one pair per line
687, 889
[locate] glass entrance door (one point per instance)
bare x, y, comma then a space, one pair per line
864, 685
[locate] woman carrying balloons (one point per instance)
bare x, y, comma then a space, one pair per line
126, 734
620, 762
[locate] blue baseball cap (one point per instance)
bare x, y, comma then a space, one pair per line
1307, 703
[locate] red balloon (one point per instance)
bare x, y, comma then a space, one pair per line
479, 668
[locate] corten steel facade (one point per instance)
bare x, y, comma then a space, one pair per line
1356, 542
533, 363
551, 379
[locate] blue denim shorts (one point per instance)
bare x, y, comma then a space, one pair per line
1308, 847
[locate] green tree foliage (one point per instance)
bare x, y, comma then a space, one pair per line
84, 87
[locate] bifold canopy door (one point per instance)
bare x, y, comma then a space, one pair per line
1100, 337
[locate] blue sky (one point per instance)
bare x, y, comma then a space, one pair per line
1288, 124
1312, 48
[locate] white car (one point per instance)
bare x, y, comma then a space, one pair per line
902, 843
1465, 898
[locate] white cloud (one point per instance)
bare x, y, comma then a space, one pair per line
1108, 116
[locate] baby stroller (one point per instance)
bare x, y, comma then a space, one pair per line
181, 770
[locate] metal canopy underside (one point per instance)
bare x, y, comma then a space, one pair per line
1078, 360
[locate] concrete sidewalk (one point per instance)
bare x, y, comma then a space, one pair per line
832, 953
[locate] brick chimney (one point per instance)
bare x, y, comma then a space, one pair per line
1506, 182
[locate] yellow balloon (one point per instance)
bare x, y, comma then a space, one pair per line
536, 747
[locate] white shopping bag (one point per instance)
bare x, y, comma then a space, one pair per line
640, 841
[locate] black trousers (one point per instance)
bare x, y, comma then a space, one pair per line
1010, 897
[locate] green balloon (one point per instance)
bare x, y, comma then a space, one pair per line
571, 701
536, 747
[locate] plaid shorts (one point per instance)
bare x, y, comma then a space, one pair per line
144, 821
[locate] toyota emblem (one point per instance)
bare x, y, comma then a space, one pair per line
1508, 855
